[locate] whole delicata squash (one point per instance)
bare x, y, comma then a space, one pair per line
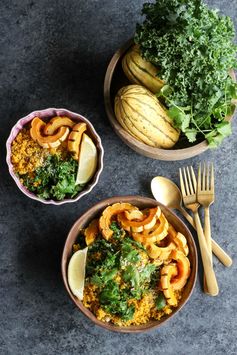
53, 141
91, 231
183, 266
167, 273
142, 115
140, 71
109, 214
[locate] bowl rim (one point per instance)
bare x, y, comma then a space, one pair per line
51, 112
132, 142
65, 259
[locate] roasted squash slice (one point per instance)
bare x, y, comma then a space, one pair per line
57, 122
171, 231
37, 126
139, 237
183, 266
179, 239
160, 229
134, 214
149, 215
74, 139
157, 252
181, 243
91, 231
107, 216
167, 273
154, 234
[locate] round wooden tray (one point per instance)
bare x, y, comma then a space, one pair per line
114, 80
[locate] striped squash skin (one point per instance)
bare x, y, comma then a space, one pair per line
140, 114
139, 71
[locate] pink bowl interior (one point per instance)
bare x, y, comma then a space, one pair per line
49, 113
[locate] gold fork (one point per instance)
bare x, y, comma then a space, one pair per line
188, 189
206, 197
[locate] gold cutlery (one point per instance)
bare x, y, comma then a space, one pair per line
167, 192
188, 189
205, 197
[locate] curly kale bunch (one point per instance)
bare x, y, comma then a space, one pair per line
192, 45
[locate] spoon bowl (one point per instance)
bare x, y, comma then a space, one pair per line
166, 192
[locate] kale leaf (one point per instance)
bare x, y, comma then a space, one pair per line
55, 179
192, 46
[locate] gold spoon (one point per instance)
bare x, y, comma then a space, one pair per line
167, 192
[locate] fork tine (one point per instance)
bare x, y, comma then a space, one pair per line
203, 176
208, 176
194, 179
212, 178
182, 182
190, 181
200, 177
186, 181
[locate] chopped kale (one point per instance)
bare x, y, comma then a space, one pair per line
55, 179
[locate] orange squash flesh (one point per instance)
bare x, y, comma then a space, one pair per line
181, 243
37, 126
159, 230
134, 214
146, 220
74, 139
57, 122
91, 231
183, 265
138, 237
167, 273
179, 239
108, 214
156, 252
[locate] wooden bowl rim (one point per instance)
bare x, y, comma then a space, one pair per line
85, 217
132, 142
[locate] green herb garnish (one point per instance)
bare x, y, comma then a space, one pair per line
55, 179
160, 301
110, 265
192, 45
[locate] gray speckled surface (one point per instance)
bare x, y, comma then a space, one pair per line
55, 53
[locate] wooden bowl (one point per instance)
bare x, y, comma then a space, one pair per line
46, 114
114, 80
141, 202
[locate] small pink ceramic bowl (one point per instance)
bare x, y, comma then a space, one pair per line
49, 113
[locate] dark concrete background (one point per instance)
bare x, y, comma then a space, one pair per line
54, 54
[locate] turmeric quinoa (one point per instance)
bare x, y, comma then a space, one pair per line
27, 155
125, 282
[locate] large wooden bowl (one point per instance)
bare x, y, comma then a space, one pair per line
114, 80
141, 202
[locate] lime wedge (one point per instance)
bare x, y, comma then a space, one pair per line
87, 160
76, 273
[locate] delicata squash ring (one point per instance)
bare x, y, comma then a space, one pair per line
53, 141
183, 266
107, 216
147, 222
167, 273
56, 122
